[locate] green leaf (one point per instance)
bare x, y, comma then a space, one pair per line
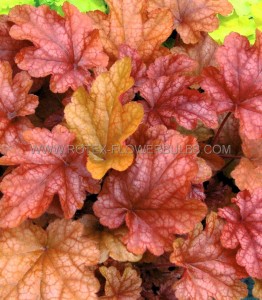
256, 12
6, 5
243, 7
82, 5
234, 23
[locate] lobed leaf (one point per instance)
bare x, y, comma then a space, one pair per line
101, 123
65, 48
243, 227
191, 17
151, 195
47, 167
129, 22
51, 264
211, 271
236, 87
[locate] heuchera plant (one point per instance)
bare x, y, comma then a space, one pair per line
129, 169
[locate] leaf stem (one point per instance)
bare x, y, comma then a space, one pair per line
230, 156
219, 129
159, 266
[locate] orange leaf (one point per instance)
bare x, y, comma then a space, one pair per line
121, 287
65, 48
210, 270
47, 167
15, 104
129, 23
251, 165
244, 228
102, 123
257, 290
51, 264
191, 17
110, 241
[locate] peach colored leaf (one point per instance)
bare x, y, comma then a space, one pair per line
257, 290
244, 227
15, 104
47, 167
151, 195
211, 272
203, 52
65, 48
236, 87
51, 264
191, 17
101, 123
169, 98
126, 286
129, 23
204, 171
251, 164
110, 241
8, 46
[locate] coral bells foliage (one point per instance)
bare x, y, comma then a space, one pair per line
129, 169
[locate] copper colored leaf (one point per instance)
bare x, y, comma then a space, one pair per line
251, 164
236, 86
65, 48
51, 264
102, 123
151, 195
257, 290
126, 286
191, 17
244, 228
8, 46
170, 97
15, 104
129, 23
211, 272
217, 195
229, 135
47, 167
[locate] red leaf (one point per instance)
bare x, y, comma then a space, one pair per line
236, 87
244, 228
43, 172
151, 195
66, 47
138, 71
169, 97
211, 271
8, 46
170, 65
15, 104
